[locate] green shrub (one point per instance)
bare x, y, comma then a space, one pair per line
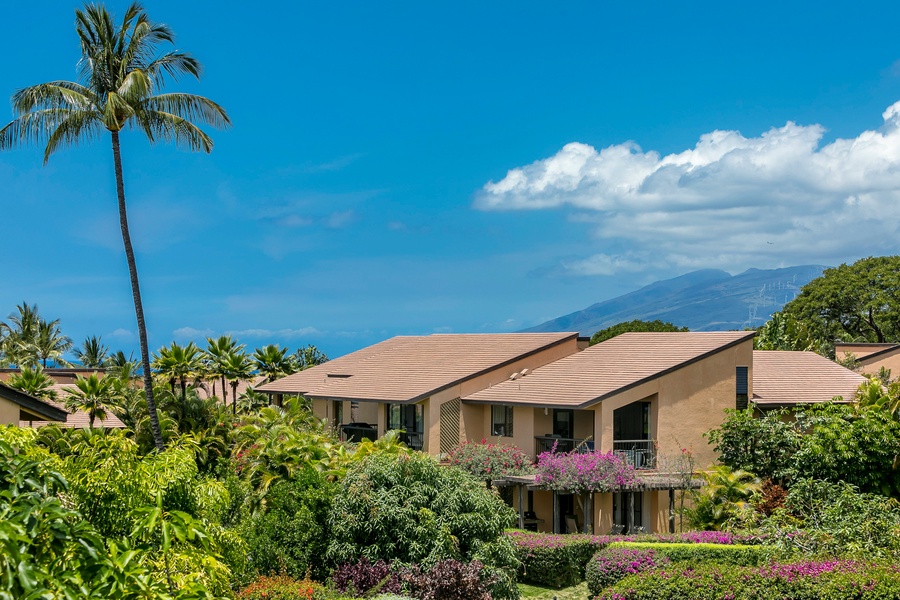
411, 509
290, 537
827, 580
554, 560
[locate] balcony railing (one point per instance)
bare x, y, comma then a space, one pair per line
356, 432
544, 443
641, 454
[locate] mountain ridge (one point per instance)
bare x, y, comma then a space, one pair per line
702, 300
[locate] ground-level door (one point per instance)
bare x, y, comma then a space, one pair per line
628, 512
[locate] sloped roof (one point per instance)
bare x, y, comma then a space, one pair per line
411, 368
31, 405
608, 368
782, 378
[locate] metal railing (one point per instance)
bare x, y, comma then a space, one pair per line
641, 454
545, 443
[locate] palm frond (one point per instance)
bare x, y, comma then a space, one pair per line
159, 125
33, 127
54, 94
78, 127
190, 107
174, 64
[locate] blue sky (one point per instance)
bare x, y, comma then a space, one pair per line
415, 167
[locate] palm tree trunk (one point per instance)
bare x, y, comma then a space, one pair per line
234, 397
136, 292
224, 392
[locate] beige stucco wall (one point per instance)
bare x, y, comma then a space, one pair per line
857, 350
889, 361
9, 412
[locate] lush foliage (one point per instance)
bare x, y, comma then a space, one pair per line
809, 580
584, 471
857, 302
48, 550
855, 443
724, 493
636, 325
290, 535
490, 461
409, 508
784, 331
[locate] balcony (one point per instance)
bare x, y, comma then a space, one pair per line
641, 454
544, 443
357, 432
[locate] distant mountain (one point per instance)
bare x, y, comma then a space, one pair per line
707, 300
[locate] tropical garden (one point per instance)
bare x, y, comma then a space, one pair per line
208, 491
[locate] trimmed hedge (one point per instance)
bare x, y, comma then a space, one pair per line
825, 580
555, 560
621, 559
558, 560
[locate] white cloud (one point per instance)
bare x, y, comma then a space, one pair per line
729, 202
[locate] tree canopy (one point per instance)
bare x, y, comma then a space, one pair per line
636, 325
858, 302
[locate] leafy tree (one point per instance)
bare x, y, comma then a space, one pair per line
308, 356
784, 331
93, 354
858, 302
121, 76
762, 445
20, 330
834, 442
33, 381
411, 509
290, 535
636, 325
92, 394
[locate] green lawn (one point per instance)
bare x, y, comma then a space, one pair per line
578, 592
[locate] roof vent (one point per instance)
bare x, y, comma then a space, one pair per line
513, 377
523, 372
339, 375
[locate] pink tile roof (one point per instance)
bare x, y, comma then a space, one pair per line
608, 368
411, 368
785, 378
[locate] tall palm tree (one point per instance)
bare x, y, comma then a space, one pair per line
21, 330
217, 350
121, 76
93, 394
51, 344
93, 354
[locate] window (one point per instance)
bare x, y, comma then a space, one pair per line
502, 420
338, 412
408, 417
742, 387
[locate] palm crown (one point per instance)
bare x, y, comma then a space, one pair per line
121, 74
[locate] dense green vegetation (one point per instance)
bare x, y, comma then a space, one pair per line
636, 325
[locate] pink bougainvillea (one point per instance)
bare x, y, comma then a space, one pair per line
584, 472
